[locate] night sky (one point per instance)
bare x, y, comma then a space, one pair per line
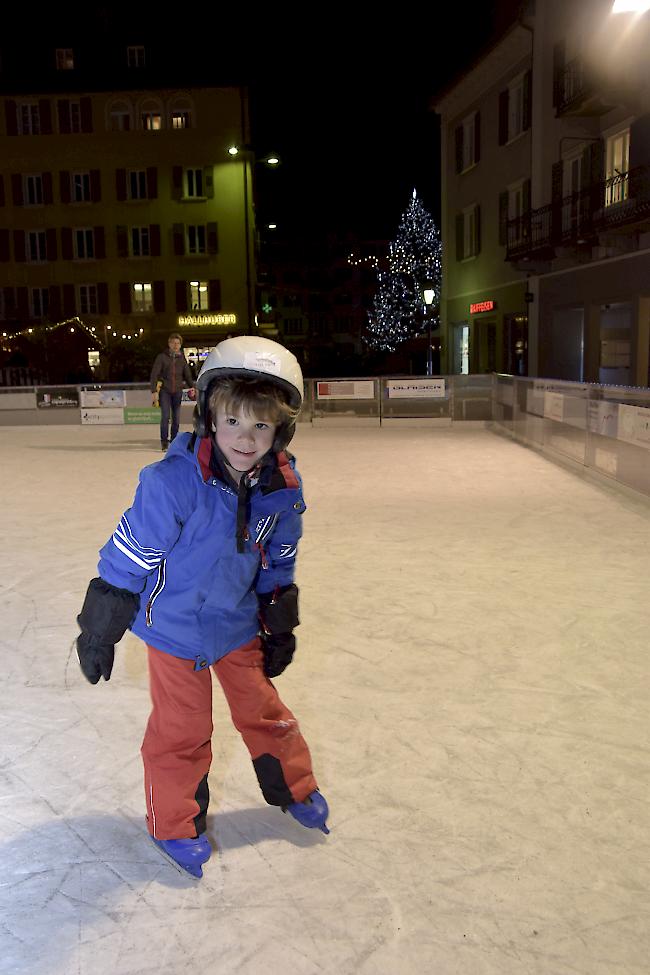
341, 93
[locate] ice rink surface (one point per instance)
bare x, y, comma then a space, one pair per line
472, 677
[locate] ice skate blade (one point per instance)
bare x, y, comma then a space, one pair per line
194, 872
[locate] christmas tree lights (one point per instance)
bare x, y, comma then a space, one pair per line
414, 262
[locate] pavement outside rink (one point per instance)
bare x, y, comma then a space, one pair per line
471, 676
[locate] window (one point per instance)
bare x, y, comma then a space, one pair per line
140, 246
39, 302
181, 120
135, 56
35, 245
518, 207
468, 142
151, 121
120, 119
194, 182
617, 168
80, 187
515, 106
137, 184
64, 59
468, 233
29, 119
196, 239
84, 243
142, 296
88, 299
199, 295
294, 326
33, 190
70, 116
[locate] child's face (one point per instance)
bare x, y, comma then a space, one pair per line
243, 438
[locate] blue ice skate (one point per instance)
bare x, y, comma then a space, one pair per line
312, 812
186, 855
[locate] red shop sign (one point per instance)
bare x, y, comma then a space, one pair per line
482, 306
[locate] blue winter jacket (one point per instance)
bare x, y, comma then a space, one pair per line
177, 547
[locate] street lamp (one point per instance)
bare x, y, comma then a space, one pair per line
429, 294
249, 159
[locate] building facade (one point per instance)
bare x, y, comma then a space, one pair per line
546, 199
123, 207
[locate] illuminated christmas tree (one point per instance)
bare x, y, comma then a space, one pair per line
414, 263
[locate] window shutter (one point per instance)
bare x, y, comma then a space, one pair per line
45, 113
122, 237
125, 298
5, 249
213, 239
460, 233
47, 188
63, 112
69, 303
10, 301
11, 117
152, 183
459, 148
208, 182
86, 115
51, 248
19, 246
477, 230
64, 185
17, 189
503, 117
214, 295
528, 100
100, 243
22, 304
640, 141
477, 137
102, 298
159, 296
503, 218
181, 296
154, 239
177, 182
2, 190
559, 61
178, 233
120, 184
54, 302
95, 185
66, 243
527, 209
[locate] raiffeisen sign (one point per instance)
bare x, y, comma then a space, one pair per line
480, 306
219, 318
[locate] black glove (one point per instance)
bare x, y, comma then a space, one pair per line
279, 649
96, 659
105, 616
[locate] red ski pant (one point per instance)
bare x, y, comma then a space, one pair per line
177, 749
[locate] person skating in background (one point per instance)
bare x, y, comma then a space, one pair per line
201, 567
169, 374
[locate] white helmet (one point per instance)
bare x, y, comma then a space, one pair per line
250, 357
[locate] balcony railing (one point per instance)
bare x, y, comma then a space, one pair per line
620, 202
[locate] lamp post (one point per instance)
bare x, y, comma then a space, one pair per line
428, 293
248, 161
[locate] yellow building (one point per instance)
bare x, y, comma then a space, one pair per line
124, 208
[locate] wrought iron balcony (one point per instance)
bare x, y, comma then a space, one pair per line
616, 205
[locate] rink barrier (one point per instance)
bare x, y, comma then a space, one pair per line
603, 429
600, 429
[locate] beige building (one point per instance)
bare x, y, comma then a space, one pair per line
546, 199
124, 208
